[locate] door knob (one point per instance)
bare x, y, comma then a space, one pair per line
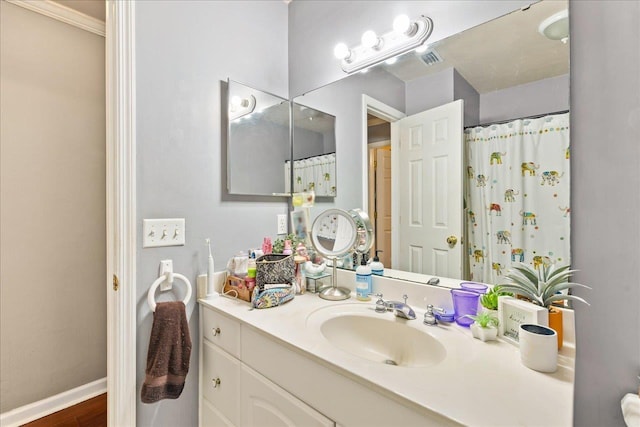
452, 240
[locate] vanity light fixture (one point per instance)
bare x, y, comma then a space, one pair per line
239, 107
405, 36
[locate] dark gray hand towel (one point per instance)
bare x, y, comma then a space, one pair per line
168, 354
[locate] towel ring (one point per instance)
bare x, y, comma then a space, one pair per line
151, 298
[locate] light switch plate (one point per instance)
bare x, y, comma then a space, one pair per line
163, 232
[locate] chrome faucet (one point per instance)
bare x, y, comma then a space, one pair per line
400, 309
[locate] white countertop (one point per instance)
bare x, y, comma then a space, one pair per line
480, 384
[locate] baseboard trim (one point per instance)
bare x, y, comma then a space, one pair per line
48, 406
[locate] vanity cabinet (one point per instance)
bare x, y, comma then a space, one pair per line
232, 393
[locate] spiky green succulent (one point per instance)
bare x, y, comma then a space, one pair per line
484, 319
543, 286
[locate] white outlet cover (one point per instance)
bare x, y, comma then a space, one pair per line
282, 224
163, 232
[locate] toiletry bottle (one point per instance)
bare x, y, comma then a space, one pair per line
287, 248
363, 281
267, 246
377, 267
251, 266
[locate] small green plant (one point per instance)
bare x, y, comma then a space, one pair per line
490, 299
542, 287
278, 244
485, 319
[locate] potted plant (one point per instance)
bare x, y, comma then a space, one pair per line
489, 300
485, 326
543, 287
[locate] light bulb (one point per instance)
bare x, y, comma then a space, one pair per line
422, 49
370, 39
341, 51
391, 61
236, 101
402, 24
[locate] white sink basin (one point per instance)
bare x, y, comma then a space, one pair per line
375, 337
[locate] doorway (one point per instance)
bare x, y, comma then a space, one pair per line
379, 171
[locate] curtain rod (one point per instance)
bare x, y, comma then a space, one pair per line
537, 116
311, 157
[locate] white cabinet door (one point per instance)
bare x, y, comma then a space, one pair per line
221, 381
211, 417
264, 404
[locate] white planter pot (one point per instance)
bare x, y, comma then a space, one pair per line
484, 334
538, 348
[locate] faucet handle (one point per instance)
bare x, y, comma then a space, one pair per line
381, 306
430, 317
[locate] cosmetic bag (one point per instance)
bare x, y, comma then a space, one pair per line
272, 297
275, 269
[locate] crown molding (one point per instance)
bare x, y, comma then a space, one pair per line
64, 14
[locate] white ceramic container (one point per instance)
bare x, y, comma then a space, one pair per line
538, 347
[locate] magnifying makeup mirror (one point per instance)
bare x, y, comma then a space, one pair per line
333, 235
365, 235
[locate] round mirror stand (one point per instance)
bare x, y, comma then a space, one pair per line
333, 235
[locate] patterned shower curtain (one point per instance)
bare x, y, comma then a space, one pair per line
316, 174
517, 195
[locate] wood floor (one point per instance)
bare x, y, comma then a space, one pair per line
90, 413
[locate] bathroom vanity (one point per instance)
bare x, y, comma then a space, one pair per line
313, 362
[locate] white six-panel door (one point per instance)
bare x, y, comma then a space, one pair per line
430, 187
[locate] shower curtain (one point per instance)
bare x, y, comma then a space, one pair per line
316, 174
517, 195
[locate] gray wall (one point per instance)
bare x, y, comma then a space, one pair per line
605, 122
53, 330
344, 101
541, 97
463, 90
184, 50
318, 25
429, 91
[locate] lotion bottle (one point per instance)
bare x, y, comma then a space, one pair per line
377, 267
363, 281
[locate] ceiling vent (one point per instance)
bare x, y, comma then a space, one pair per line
431, 57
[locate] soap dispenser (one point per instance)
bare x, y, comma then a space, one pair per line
363, 281
377, 267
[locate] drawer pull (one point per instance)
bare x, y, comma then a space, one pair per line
216, 382
216, 331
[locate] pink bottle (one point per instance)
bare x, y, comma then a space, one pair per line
267, 247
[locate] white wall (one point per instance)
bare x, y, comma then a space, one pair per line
52, 185
184, 51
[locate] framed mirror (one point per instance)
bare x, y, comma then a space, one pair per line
258, 142
511, 83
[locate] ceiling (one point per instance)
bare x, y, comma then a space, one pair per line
93, 8
505, 52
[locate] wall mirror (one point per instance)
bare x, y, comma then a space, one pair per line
314, 151
460, 154
258, 141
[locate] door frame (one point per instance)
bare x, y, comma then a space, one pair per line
379, 109
121, 213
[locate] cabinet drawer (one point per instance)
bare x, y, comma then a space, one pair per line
211, 417
266, 404
222, 331
221, 381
